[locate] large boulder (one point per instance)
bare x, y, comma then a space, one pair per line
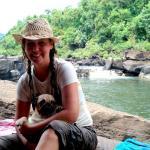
137, 55
133, 63
11, 68
145, 72
118, 125
135, 66
5, 67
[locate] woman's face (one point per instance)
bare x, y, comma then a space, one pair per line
38, 50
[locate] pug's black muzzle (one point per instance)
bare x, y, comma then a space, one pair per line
46, 108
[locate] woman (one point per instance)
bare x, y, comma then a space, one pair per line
69, 129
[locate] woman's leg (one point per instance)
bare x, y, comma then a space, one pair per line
65, 136
11, 142
73, 137
49, 140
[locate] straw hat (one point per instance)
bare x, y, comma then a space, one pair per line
34, 30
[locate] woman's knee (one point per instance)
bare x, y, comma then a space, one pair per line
49, 134
48, 140
57, 124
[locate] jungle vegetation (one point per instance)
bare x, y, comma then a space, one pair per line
103, 27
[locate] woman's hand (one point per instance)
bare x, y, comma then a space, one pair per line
28, 129
24, 128
21, 121
22, 138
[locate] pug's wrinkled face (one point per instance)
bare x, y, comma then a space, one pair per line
46, 105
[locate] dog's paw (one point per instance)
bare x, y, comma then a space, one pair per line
21, 121
59, 108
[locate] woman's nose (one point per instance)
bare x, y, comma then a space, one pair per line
35, 47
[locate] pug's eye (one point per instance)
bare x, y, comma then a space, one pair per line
42, 102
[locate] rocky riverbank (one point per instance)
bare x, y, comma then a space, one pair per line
133, 63
107, 122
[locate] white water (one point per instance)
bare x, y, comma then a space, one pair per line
98, 72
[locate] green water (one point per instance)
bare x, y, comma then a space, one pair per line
131, 95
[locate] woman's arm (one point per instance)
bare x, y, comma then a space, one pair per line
22, 113
70, 102
22, 109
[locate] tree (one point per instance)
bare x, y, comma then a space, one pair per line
142, 24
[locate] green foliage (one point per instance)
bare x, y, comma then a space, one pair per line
10, 52
104, 27
142, 28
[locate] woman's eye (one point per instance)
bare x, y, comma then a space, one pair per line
30, 44
41, 43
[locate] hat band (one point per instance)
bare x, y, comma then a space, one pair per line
38, 31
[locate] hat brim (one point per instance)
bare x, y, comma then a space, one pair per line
18, 38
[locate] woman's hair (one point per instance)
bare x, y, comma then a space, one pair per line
53, 78
55, 90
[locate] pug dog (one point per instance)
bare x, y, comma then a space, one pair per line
46, 106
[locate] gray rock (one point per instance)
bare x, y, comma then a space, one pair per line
11, 68
137, 55
14, 75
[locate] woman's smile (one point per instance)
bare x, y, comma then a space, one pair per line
35, 55
36, 58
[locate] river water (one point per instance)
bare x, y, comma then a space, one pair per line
127, 94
